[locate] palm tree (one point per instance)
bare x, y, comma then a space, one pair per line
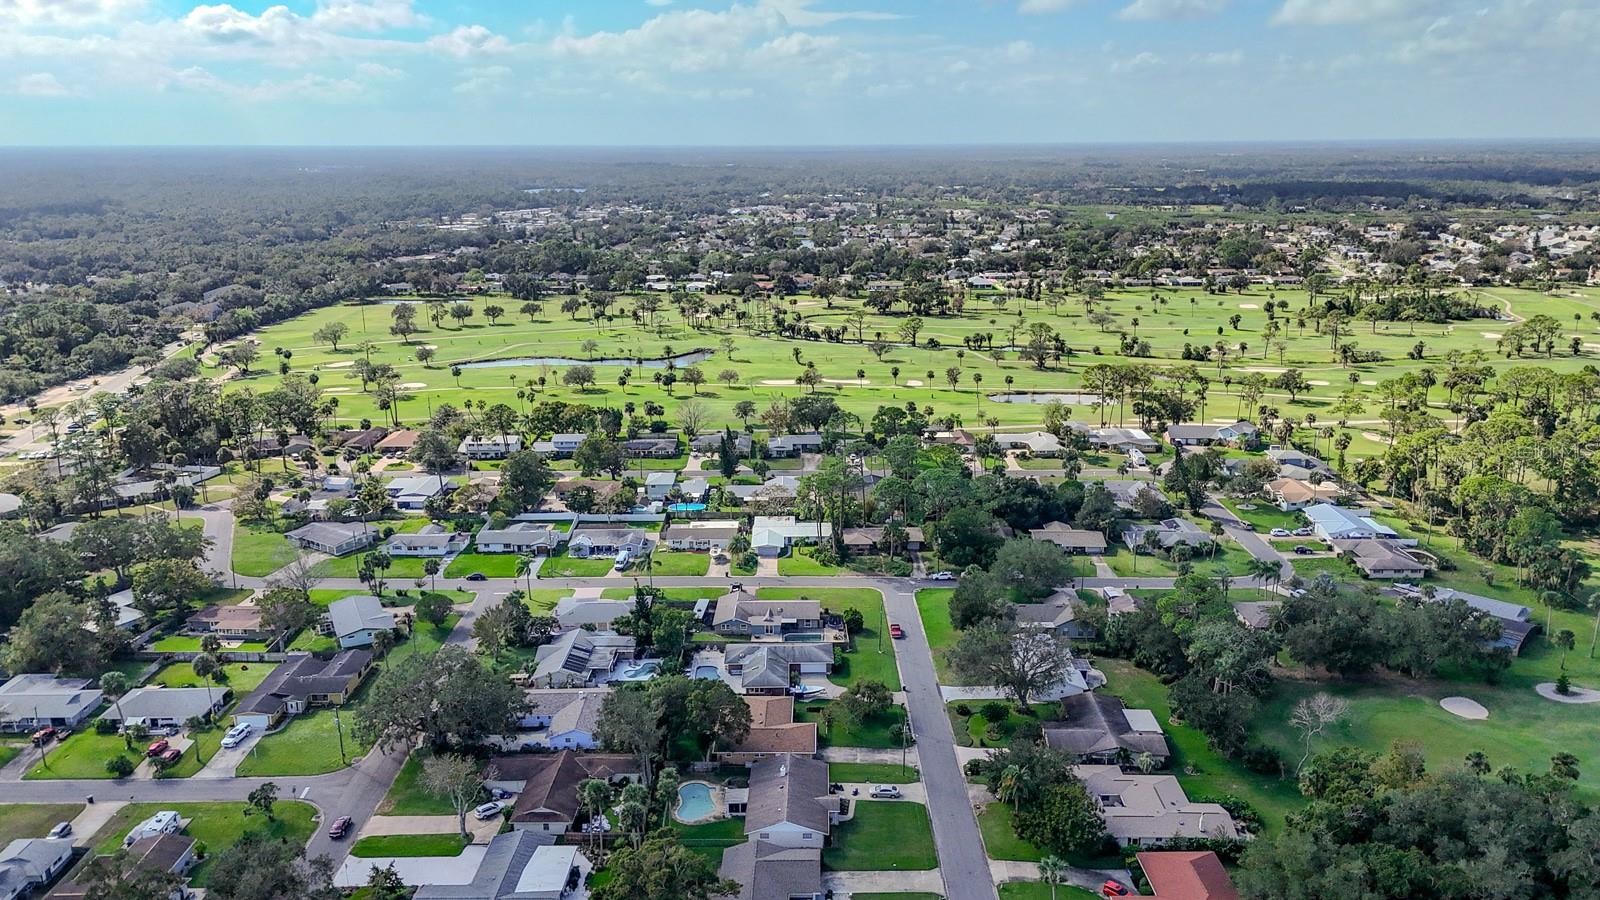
1052, 871
205, 667
114, 685
1010, 787
1267, 571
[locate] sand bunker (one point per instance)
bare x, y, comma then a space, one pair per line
1464, 707
1491, 335
1265, 370
847, 380
1315, 383
1369, 382
913, 382
340, 365
1248, 306
412, 386
336, 390
1548, 691
1373, 436
778, 382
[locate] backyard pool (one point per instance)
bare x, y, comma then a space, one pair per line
694, 802
686, 507
709, 673
643, 671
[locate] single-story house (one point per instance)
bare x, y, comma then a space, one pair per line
333, 538
1123, 439
588, 542
1057, 613
1332, 523
1038, 443
579, 658
1239, 433
768, 871
1289, 456
491, 446
1098, 728
769, 668
520, 537
739, 614
128, 616
789, 803
398, 443
338, 484
1072, 540
1150, 810
1380, 559
567, 717
28, 863
871, 539
575, 612
1187, 875
1168, 534
302, 682
1256, 614
167, 707
1124, 493
1291, 493
711, 443
267, 447
546, 785
1515, 620
775, 489
238, 623
794, 444
772, 535
164, 853
32, 701
362, 440
694, 490
518, 865
432, 540
657, 447
414, 491
701, 535
773, 731
356, 621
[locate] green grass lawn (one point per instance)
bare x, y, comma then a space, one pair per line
424, 639
543, 600
869, 658
1263, 515
934, 606
873, 773
492, 565
325, 596
349, 566
1309, 567
259, 549
184, 643
216, 826
33, 820
1000, 836
83, 755
973, 730
883, 835
802, 561
678, 594
668, 563
1229, 557
563, 566
873, 732
308, 745
241, 678
408, 845
1038, 890
407, 797
9, 751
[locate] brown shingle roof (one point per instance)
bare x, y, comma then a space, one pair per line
550, 792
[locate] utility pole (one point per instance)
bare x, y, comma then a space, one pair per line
339, 727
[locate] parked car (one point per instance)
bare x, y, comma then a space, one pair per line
236, 735
169, 757
885, 792
62, 829
942, 576
489, 810
1280, 532
45, 735
156, 748
1303, 531
895, 631
339, 828
477, 576
1113, 889
1302, 549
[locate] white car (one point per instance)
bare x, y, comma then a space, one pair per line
885, 792
1280, 532
236, 735
489, 810
942, 576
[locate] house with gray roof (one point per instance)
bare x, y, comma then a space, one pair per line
577, 612
29, 863
794, 444
768, 668
700, 535
432, 541
1239, 433
1098, 728
789, 804
565, 719
356, 621
778, 487
302, 682
32, 701
167, 707
518, 865
769, 871
1057, 613
1124, 493
588, 542
1168, 533
333, 538
740, 614
1072, 540
414, 491
711, 442
578, 658
527, 538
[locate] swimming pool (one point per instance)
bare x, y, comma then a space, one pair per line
694, 802
640, 672
686, 507
709, 673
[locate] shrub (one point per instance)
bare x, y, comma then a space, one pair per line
1563, 684
994, 711
119, 766
963, 710
105, 726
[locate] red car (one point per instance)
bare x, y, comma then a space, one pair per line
1113, 889
339, 828
45, 735
157, 748
170, 757
896, 632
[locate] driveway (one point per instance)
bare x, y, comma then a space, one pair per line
223, 763
414, 870
481, 831
848, 884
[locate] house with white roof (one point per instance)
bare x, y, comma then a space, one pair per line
432, 540
333, 538
1332, 523
1150, 810
167, 707
657, 485
414, 491
356, 621
491, 446
527, 538
772, 535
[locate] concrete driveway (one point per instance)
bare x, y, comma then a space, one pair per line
227, 759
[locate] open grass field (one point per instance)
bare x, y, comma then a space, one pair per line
408, 845
668, 563
563, 566
33, 820
83, 755
871, 657
216, 826
934, 606
259, 549
872, 773
407, 796
802, 562
883, 835
873, 733
309, 745
543, 600
241, 678
767, 365
491, 565
1038, 890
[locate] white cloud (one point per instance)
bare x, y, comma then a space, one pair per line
1043, 6
1019, 51
379, 72
691, 40
67, 13
1230, 58
657, 2
1345, 12
1144, 60
309, 87
367, 15
800, 14
1171, 9
483, 80
469, 40
40, 84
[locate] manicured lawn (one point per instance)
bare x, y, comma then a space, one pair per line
308, 745
241, 678
1000, 837
400, 567
974, 730
325, 596
260, 549
408, 845
204, 744
492, 565
883, 835
8, 752
1038, 890
869, 659
1309, 567
1263, 515
33, 820
1229, 557
407, 797
803, 562
183, 643
669, 563
542, 600
679, 594
874, 732
83, 755
563, 566
873, 773
934, 606
426, 638
214, 826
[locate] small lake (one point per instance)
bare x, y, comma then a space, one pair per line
1070, 399
682, 359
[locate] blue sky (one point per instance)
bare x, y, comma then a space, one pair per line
794, 71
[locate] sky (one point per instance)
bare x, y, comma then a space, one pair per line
793, 72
